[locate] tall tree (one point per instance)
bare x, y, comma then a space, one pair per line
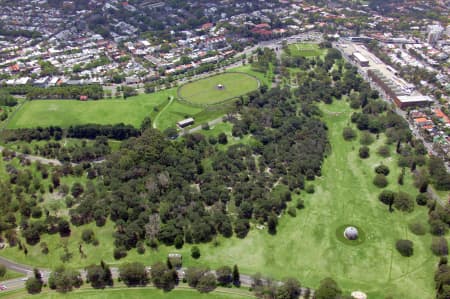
236, 276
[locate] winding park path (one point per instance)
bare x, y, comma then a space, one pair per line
162, 111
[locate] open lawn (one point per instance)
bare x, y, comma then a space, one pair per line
307, 246
178, 110
206, 91
305, 50
64, 113
133, 293
164, 112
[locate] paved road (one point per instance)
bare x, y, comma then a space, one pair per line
27, 271
23, 269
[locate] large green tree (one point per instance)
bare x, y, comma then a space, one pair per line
133, 274
328, 289
163, 277
64, 280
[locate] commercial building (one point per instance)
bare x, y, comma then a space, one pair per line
412, 101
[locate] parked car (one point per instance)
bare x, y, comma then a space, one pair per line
2, 288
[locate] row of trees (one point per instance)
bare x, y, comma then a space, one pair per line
28, 135
164, 276
88, 131
91, 131
94, 92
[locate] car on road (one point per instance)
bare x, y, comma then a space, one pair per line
3, 287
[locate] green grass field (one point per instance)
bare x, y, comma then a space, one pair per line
64, 113
133, 293
264, 78
205, 91
305, 50
132, 111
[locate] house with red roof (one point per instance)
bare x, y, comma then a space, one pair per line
423, 121
14, 68
262, 26
441, 115
207, 26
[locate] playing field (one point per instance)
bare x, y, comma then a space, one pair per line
64, 113
305, 50
218, 88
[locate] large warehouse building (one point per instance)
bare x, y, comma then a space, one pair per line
413, 101
400, 96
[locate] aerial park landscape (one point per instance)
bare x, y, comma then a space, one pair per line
286, 170
339, 233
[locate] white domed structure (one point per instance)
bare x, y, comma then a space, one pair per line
359, 295
351, 233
